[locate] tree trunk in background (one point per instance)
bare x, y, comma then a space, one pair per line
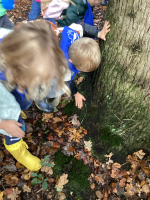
122, 82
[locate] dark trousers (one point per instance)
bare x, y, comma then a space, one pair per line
5, 22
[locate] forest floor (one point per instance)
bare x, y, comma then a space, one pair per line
70, 167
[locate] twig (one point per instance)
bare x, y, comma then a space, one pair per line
130, 127
124, 163
2, 185
84, 115
118, 118
39, 190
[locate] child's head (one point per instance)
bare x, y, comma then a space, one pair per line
94, 2
31, 57
85, 54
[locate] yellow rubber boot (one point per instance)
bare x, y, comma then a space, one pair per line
23, 156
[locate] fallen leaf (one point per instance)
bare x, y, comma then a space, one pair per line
130, 190
19, 166
116, 165
46, 169
114, 173
26, 188
109, 162
77, 136
74, 120
1, 154
8, 191
92, 186
78, 156
51, 180
109, 155
99, 194
47, 116
62, 181
50, 137
61, 196
146, 188
71, 149
142, 183
80, 79
57, 119
88, 145
140, 154
11, 180
26, 175
49, 196
96, 163
15, 194
56, 145
122, 182
146, 170
10, 167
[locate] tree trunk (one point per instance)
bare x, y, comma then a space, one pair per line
122, 82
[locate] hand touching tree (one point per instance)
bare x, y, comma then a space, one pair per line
102, 34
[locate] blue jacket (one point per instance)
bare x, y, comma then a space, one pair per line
8, 4
68, 37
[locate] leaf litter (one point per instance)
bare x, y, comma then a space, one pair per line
107, 180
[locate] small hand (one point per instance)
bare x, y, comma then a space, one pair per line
102, 34
79, 98
12, 128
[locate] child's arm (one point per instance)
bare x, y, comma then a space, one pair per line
79, 98
93, 32
12, 128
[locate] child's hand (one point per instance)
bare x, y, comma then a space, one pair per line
79, 98
102, 34
12, 128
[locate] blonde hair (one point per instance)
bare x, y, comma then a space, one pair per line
85, 54
31, 57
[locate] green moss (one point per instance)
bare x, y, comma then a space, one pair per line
107, 136
69, 109
78, 173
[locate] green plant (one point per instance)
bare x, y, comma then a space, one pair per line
38, 178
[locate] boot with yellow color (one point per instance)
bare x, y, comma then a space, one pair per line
23, 156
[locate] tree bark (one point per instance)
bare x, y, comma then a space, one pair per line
122, 82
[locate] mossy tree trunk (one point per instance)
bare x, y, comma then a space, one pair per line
122, 82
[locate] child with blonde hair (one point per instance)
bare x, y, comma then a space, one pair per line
30, 60
82, 53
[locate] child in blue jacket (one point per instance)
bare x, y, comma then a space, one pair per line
82, 54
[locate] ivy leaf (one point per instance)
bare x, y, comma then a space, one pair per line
39, 181
40, 176
44, 185
46, 158
46, 179
49, 165
42, 163
34, 181
34, 174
